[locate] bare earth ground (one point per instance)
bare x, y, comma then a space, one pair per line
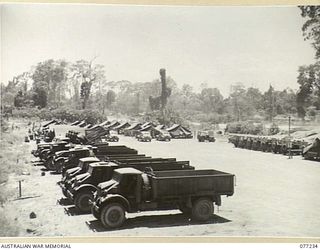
274, 196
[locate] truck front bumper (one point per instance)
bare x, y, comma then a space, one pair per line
70, 195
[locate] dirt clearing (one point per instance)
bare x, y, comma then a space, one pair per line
274, 196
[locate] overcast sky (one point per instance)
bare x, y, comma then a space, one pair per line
217, 45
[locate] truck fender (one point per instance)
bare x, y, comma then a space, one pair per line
60, 159
116, 198
83, 187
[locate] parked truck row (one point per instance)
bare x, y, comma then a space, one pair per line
110, 181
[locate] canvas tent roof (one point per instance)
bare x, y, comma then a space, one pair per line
112, 124
121, 125
75, 123
146, 128
104, 123
82, 124
49, 123
134, 126
178, 126
173, 127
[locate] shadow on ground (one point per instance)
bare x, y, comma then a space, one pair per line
154, 221
64, 202
73, 211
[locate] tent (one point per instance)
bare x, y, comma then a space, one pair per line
121, 127
178, 131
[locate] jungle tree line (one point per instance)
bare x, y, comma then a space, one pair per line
308, 96
83, 85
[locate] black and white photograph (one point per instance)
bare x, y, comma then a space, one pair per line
123, 120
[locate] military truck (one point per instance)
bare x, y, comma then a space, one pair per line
312, 151
84, 185
203, 136
112, 137
163, 136
144, 136
130, 190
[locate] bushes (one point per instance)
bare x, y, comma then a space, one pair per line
245, 128
63, 114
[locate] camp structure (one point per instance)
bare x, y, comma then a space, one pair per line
104, 123
82, 124
111, 125
121, 127
49, 123
156, 131
132, 130
75, 123
88, 125
177, 131
96, 133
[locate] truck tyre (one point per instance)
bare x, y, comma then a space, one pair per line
202, 209
59, 166
113, 215
64, 192
48, 164
81, 201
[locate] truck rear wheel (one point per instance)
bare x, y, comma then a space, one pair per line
202, 209
113, 215
82, 201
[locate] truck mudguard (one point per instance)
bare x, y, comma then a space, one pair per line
84, 186
117, 197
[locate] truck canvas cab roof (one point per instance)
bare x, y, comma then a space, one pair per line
128, 171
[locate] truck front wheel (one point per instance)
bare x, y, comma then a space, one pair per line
202, 209
82, 201
113, 215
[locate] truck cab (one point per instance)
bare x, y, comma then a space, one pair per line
84, 185
75, 155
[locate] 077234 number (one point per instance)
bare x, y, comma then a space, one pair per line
308, 245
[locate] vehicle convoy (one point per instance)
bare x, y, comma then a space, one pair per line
80, 188
203, 136
130, 190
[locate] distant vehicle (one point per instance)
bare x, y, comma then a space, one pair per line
206, 136
164, 136
112, 137
144, 136
312, 151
